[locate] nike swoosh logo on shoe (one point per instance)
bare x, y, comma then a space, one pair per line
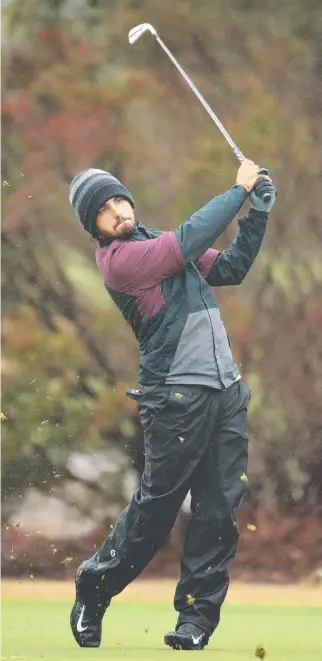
196, 640
79, 622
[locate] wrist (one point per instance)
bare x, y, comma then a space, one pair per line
254, 212
243, 187
247, 189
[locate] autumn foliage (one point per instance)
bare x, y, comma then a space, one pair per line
76, 95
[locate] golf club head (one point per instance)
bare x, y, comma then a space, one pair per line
137, 32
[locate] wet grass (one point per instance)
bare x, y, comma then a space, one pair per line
37, 629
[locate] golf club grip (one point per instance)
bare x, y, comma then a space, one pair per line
266, 197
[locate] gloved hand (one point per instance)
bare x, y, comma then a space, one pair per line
261, 187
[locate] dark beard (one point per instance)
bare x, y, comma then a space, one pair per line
105, 240
127, 232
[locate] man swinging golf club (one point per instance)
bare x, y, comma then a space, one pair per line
192, 401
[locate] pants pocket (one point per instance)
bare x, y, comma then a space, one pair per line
153, 401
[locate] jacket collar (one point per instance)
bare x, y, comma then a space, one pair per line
141, 233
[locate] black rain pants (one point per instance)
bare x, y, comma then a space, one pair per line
195, 439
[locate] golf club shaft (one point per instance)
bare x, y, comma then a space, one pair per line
237, 152
210, 112
135, 34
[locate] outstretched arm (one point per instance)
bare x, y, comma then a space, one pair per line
230, 266
133, 265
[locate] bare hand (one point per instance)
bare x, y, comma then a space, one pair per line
247, 175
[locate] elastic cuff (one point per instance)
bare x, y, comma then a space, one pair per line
195, 620
258, 212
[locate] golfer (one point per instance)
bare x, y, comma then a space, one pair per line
192, 401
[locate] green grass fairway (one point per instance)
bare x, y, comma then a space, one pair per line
39, 629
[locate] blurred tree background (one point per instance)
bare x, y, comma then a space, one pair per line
77, 95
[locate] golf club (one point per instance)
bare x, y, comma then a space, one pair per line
135, 34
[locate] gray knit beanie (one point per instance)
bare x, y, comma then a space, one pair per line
89, 191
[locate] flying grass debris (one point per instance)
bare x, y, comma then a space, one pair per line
190, 600
260, 652
251, 527
244, 478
